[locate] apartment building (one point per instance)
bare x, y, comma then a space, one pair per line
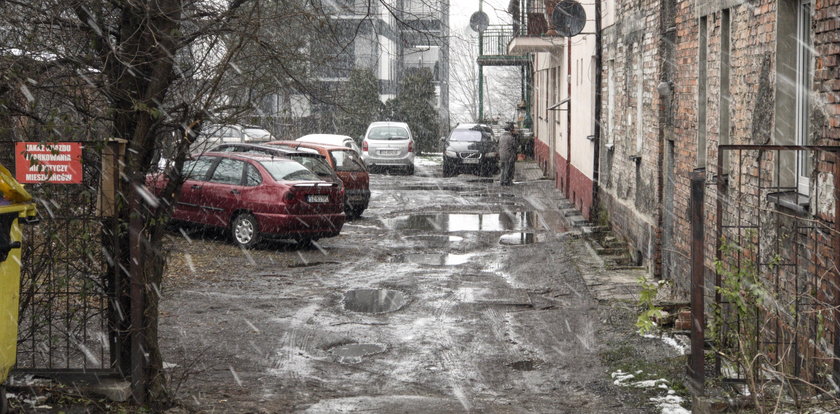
563, 98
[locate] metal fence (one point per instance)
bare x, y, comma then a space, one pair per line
495, 40
776, 297
67, 290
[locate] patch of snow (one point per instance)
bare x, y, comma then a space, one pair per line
429, 159
670, 403
620, 377
671, 341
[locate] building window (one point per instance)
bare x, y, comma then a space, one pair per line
701, 93
793, 85
803, 88
725, 94
640, 101
610, 103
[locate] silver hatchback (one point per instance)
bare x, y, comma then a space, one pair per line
389, 144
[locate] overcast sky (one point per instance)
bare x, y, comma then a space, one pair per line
502, 91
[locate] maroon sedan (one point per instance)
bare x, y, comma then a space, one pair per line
349, 167
256, 195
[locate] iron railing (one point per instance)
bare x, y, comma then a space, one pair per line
494, 40
776, 292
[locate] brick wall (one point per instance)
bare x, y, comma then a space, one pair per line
630, 185
644, 184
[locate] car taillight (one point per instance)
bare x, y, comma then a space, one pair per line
364, 145
410, 146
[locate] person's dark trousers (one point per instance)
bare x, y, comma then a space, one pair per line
506, 177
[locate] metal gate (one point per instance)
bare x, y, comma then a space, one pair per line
776, 283
67, 307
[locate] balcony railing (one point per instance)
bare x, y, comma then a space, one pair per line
495, 40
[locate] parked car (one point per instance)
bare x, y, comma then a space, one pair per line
215, 134
255, 196
389, 144
348, 166
471, 147
331, 139
316, 163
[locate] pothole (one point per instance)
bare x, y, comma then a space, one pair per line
435, 240
433, 259
517, 239
353, 353
374, 300
450, 222
524, 365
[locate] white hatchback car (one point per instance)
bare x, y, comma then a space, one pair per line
389, 144
331, 139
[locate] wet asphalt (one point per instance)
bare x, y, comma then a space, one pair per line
448, 295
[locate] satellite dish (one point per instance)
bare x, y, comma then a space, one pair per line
568, 18
479, 21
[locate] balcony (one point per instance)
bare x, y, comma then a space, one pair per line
494, 47
531, 25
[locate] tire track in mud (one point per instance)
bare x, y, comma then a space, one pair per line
447, 358
290, 362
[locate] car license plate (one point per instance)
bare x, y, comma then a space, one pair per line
317, 198
388, 152
470, 160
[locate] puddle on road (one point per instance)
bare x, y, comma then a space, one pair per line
518, 239
373, 300
433, 259
353, 353
451, 222
420, 187
490, 195
524, 365
434, 240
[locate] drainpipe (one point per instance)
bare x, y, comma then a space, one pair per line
597, 113
480, 70
569, 118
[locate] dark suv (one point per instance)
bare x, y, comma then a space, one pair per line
471, 147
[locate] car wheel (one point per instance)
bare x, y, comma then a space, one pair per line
448, 169
357, 212
410, 170
4, 403
245, 230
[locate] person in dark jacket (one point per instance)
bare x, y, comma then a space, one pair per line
507, 154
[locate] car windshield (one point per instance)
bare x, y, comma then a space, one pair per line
315, 164
465, 135
388, 133
347, 161
287, 170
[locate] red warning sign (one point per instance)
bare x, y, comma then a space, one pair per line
57, 163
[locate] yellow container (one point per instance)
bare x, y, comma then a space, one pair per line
11, 215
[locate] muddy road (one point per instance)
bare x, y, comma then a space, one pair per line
448, 295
